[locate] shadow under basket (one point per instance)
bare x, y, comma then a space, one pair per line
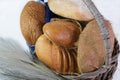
103, 73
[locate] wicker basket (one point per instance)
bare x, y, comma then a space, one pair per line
106, 71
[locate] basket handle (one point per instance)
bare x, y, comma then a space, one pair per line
104, 32
39, 0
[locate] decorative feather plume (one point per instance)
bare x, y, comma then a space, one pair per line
16, 65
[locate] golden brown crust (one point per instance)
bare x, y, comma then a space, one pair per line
61, 32
31, 21
74, 9
57, 58
91, 50
43, 48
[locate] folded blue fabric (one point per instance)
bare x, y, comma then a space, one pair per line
49, 14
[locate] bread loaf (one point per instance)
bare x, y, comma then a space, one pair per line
74, 9
62, 32
32, 20
57, 58
91, 50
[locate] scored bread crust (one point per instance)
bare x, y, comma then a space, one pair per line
32, 19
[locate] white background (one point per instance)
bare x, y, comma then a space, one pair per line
10, 11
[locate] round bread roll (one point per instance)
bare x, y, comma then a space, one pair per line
43, 50
62, 32
74, 9
31, 21
91, 49
59, 59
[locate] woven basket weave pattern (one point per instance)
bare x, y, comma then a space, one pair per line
104, 73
